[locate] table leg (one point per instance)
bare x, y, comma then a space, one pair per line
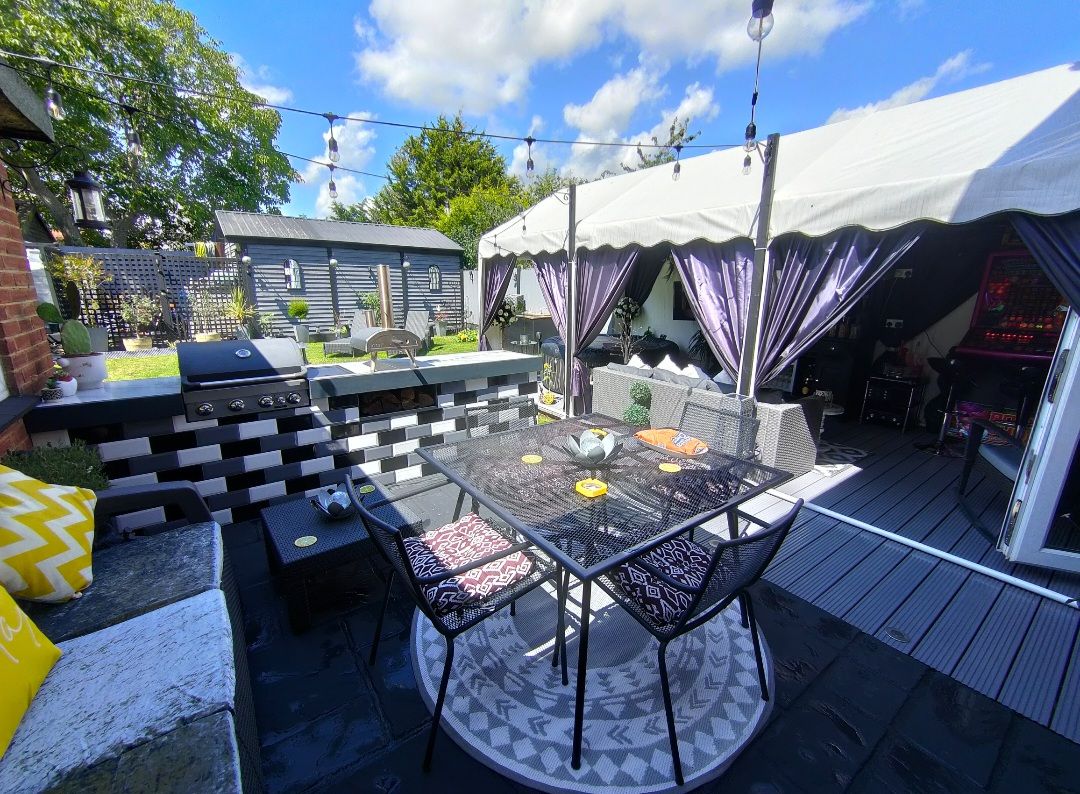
583, 663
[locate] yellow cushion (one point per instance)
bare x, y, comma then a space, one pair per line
46, 533
26, 657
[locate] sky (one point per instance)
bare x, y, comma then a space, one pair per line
607, 70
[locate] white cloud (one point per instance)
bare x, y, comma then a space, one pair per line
478, 55
615, 102
356, 146
908, 9
955, 68
696, 105
257, 81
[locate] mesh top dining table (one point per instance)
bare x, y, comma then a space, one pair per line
527, 478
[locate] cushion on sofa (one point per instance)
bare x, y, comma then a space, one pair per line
121, 687
135, 577
26, 657
630, 369
47, 533
668, 365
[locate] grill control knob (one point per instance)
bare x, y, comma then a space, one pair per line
236, 405
266, 401
294, 397
205, 409
279, 401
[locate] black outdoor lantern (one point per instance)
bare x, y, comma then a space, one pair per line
86, 202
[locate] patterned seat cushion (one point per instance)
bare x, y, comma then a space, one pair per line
455, 545
680, 559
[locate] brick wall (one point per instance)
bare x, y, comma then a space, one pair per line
24, 351
14, 436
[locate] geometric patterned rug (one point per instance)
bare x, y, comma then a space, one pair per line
506, 705
834, 458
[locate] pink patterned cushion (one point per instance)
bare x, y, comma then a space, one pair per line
457, 544
680, 559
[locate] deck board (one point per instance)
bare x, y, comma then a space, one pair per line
1006, 642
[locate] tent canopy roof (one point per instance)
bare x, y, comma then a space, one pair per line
1012, 145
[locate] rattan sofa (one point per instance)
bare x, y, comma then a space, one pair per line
787, 432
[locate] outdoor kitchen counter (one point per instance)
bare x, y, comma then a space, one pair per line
150, 398
336, 380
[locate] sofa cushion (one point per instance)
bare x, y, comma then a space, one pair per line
630, 369
121, 687
46, 532
668, 365
677, 378
637, 363
26, 657
135, 577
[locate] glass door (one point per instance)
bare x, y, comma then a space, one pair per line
1042, 525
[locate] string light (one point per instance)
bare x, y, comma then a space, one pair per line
54, 105
134, 142
761, 20
678, 166
332, 187
529, 141
761, 23
332, 150
746, 163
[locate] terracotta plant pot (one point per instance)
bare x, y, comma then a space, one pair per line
138, 343
89, 370
302, 333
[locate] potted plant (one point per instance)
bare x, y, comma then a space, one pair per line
625, 311
504, 316
79, 359
372, 308
203, 314
139, 312
442, 316
59, 384
82, 275
239, 309
298, 312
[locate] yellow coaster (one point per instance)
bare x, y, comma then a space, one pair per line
531, 458
365, 489
304, 541
670, 467
591, 487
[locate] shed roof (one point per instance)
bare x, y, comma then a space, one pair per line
257, 226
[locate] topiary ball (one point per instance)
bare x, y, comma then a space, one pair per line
641, 394
637, 415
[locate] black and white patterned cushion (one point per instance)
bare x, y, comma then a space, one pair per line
680, 559
457, 544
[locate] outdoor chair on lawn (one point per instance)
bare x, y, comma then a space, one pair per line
419, 322
680, 585
457, 575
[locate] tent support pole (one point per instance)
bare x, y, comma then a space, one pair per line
479, 300
571, 303
747, 381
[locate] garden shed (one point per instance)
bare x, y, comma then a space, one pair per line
291, 259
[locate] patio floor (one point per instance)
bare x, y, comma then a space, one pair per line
850, 712
1009, 644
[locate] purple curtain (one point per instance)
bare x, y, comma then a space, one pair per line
643, 275
1055, 244
815, 281
716, 279
497, 272
601, 280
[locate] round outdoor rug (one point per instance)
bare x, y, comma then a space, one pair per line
506, 706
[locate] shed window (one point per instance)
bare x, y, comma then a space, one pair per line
292, 274
434, 278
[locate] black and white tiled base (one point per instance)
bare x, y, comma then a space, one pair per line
242, 464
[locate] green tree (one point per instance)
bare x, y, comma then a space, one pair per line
471, 216
677, 135
200, 153
434, 167
360, 212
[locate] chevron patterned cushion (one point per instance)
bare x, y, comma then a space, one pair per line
46, 533
680, 559
455, 545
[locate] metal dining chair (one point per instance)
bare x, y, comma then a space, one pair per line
733, 432
680, 585
457, 575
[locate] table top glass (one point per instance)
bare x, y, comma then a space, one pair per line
644, 504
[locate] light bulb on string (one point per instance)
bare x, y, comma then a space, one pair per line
332, 187
332, 150
761, 20
746, 164
54, 105
131, 135
529, 141
678, 166
751, 137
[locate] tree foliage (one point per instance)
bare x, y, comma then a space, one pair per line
677, 136
201, 153
432, 168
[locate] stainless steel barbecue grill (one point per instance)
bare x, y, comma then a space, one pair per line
242, 376
386, 340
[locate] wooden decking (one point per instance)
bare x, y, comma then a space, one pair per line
1019, 648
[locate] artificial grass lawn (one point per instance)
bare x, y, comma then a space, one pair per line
135, 368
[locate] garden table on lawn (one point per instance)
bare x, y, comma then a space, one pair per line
644, 505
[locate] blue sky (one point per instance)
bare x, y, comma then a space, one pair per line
609, 69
